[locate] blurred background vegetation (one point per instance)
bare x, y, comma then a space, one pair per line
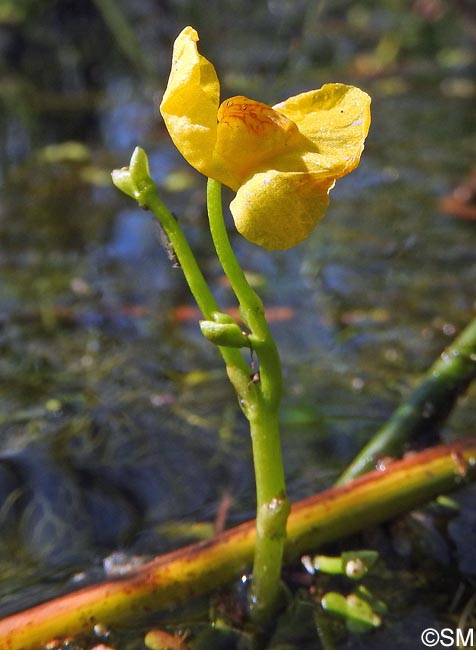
113, 411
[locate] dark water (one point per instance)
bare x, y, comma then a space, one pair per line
114, 413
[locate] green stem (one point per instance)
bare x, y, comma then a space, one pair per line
260, 405
193, 275
427, 407
272, 512
251, 306
237, 368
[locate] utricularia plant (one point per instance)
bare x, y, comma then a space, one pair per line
281, 162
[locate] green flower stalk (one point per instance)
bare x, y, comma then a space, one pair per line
261, 408
258, 393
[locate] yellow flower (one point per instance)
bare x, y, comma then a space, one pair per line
281, 161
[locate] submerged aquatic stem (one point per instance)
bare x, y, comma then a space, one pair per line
174, 578
426, 407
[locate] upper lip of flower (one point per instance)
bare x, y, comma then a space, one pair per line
251, 136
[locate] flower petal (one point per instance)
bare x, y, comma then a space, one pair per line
278, 210
336, 120
190, 104
250, 134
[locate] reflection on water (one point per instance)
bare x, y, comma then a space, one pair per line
115, 415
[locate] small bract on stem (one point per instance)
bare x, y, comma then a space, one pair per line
282, 162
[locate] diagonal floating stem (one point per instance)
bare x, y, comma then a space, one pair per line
200, 568
429, 404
